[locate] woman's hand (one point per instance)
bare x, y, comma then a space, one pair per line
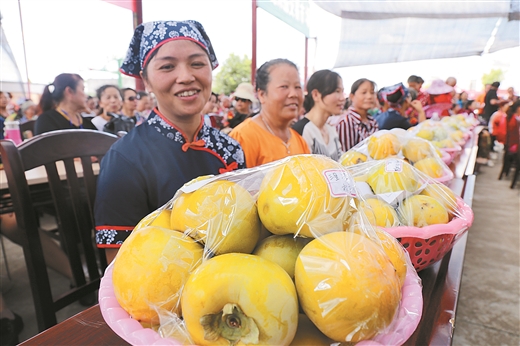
417, 105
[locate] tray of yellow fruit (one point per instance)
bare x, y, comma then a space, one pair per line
425, 216
262, 256
398, 143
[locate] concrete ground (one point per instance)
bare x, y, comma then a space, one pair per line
489, 300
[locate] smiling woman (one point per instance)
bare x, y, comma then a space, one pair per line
268, 136
144, 169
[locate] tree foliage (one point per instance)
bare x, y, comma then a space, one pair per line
492, 76
234, 70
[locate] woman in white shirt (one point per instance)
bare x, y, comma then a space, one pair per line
110, 102
325, 97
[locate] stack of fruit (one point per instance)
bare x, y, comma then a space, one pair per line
398, 143
407, 203
268, 257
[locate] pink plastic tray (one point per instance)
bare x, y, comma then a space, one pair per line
403, 326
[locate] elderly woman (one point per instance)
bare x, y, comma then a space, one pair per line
324, 98
143, 170
268, 136
62, 102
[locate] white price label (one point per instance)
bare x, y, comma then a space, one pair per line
339, 182
393, 166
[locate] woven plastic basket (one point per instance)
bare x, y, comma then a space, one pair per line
429, 244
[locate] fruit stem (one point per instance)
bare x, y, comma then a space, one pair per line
231, 324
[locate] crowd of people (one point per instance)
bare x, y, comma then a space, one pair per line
179, 129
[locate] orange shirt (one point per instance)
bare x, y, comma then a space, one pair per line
260, 146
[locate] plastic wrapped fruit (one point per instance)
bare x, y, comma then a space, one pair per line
221, 214
150, 270
308, 195
239, 299
421, 210
392, 175
352, 157
347, 286
386, 145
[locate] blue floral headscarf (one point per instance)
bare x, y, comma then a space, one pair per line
148, 37
398, 93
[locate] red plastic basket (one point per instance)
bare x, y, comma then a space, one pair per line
427, 245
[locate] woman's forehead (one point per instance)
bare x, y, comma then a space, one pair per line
178, 49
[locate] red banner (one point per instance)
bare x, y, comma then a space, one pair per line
128, 4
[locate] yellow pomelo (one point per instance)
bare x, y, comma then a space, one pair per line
431, 166
222, 214
378, 213
307, 334
347, 286
383, 146
395, 251
282, 250
150, 269
239, 299
426, 134
417, 149
305, 196
392, 175
352, 157
444, 195
421, 210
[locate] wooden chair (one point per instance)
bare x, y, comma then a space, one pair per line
27, 126
68, 151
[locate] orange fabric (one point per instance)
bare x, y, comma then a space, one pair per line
260, 146
498, 121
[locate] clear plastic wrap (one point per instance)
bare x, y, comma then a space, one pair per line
430, 217
355, 283
402, 144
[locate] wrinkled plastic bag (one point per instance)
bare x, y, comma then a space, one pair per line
302, 196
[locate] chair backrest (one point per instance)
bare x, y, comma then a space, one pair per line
67, 153
27, 126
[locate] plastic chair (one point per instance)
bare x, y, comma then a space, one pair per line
73, 201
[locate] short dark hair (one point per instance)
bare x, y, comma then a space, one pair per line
263, 72
102, 89
495, 84
359, 82
325, 81
141, 94
415, 79
123, 91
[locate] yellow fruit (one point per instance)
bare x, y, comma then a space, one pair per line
307, 334
426, 134
395, 251
150, 269
392, 175
347, 286
444, 195
352, 157
378, 213
282, 250
383, 146
305, 196
421, 210
417, 149
222, 214
239, 299
431, 166
457, 135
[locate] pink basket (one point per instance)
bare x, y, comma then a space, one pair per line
427, 245
402, 327
446, 157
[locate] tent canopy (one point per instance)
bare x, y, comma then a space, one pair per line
386, 31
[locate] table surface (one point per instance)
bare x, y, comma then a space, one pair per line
38, 175
441, 283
